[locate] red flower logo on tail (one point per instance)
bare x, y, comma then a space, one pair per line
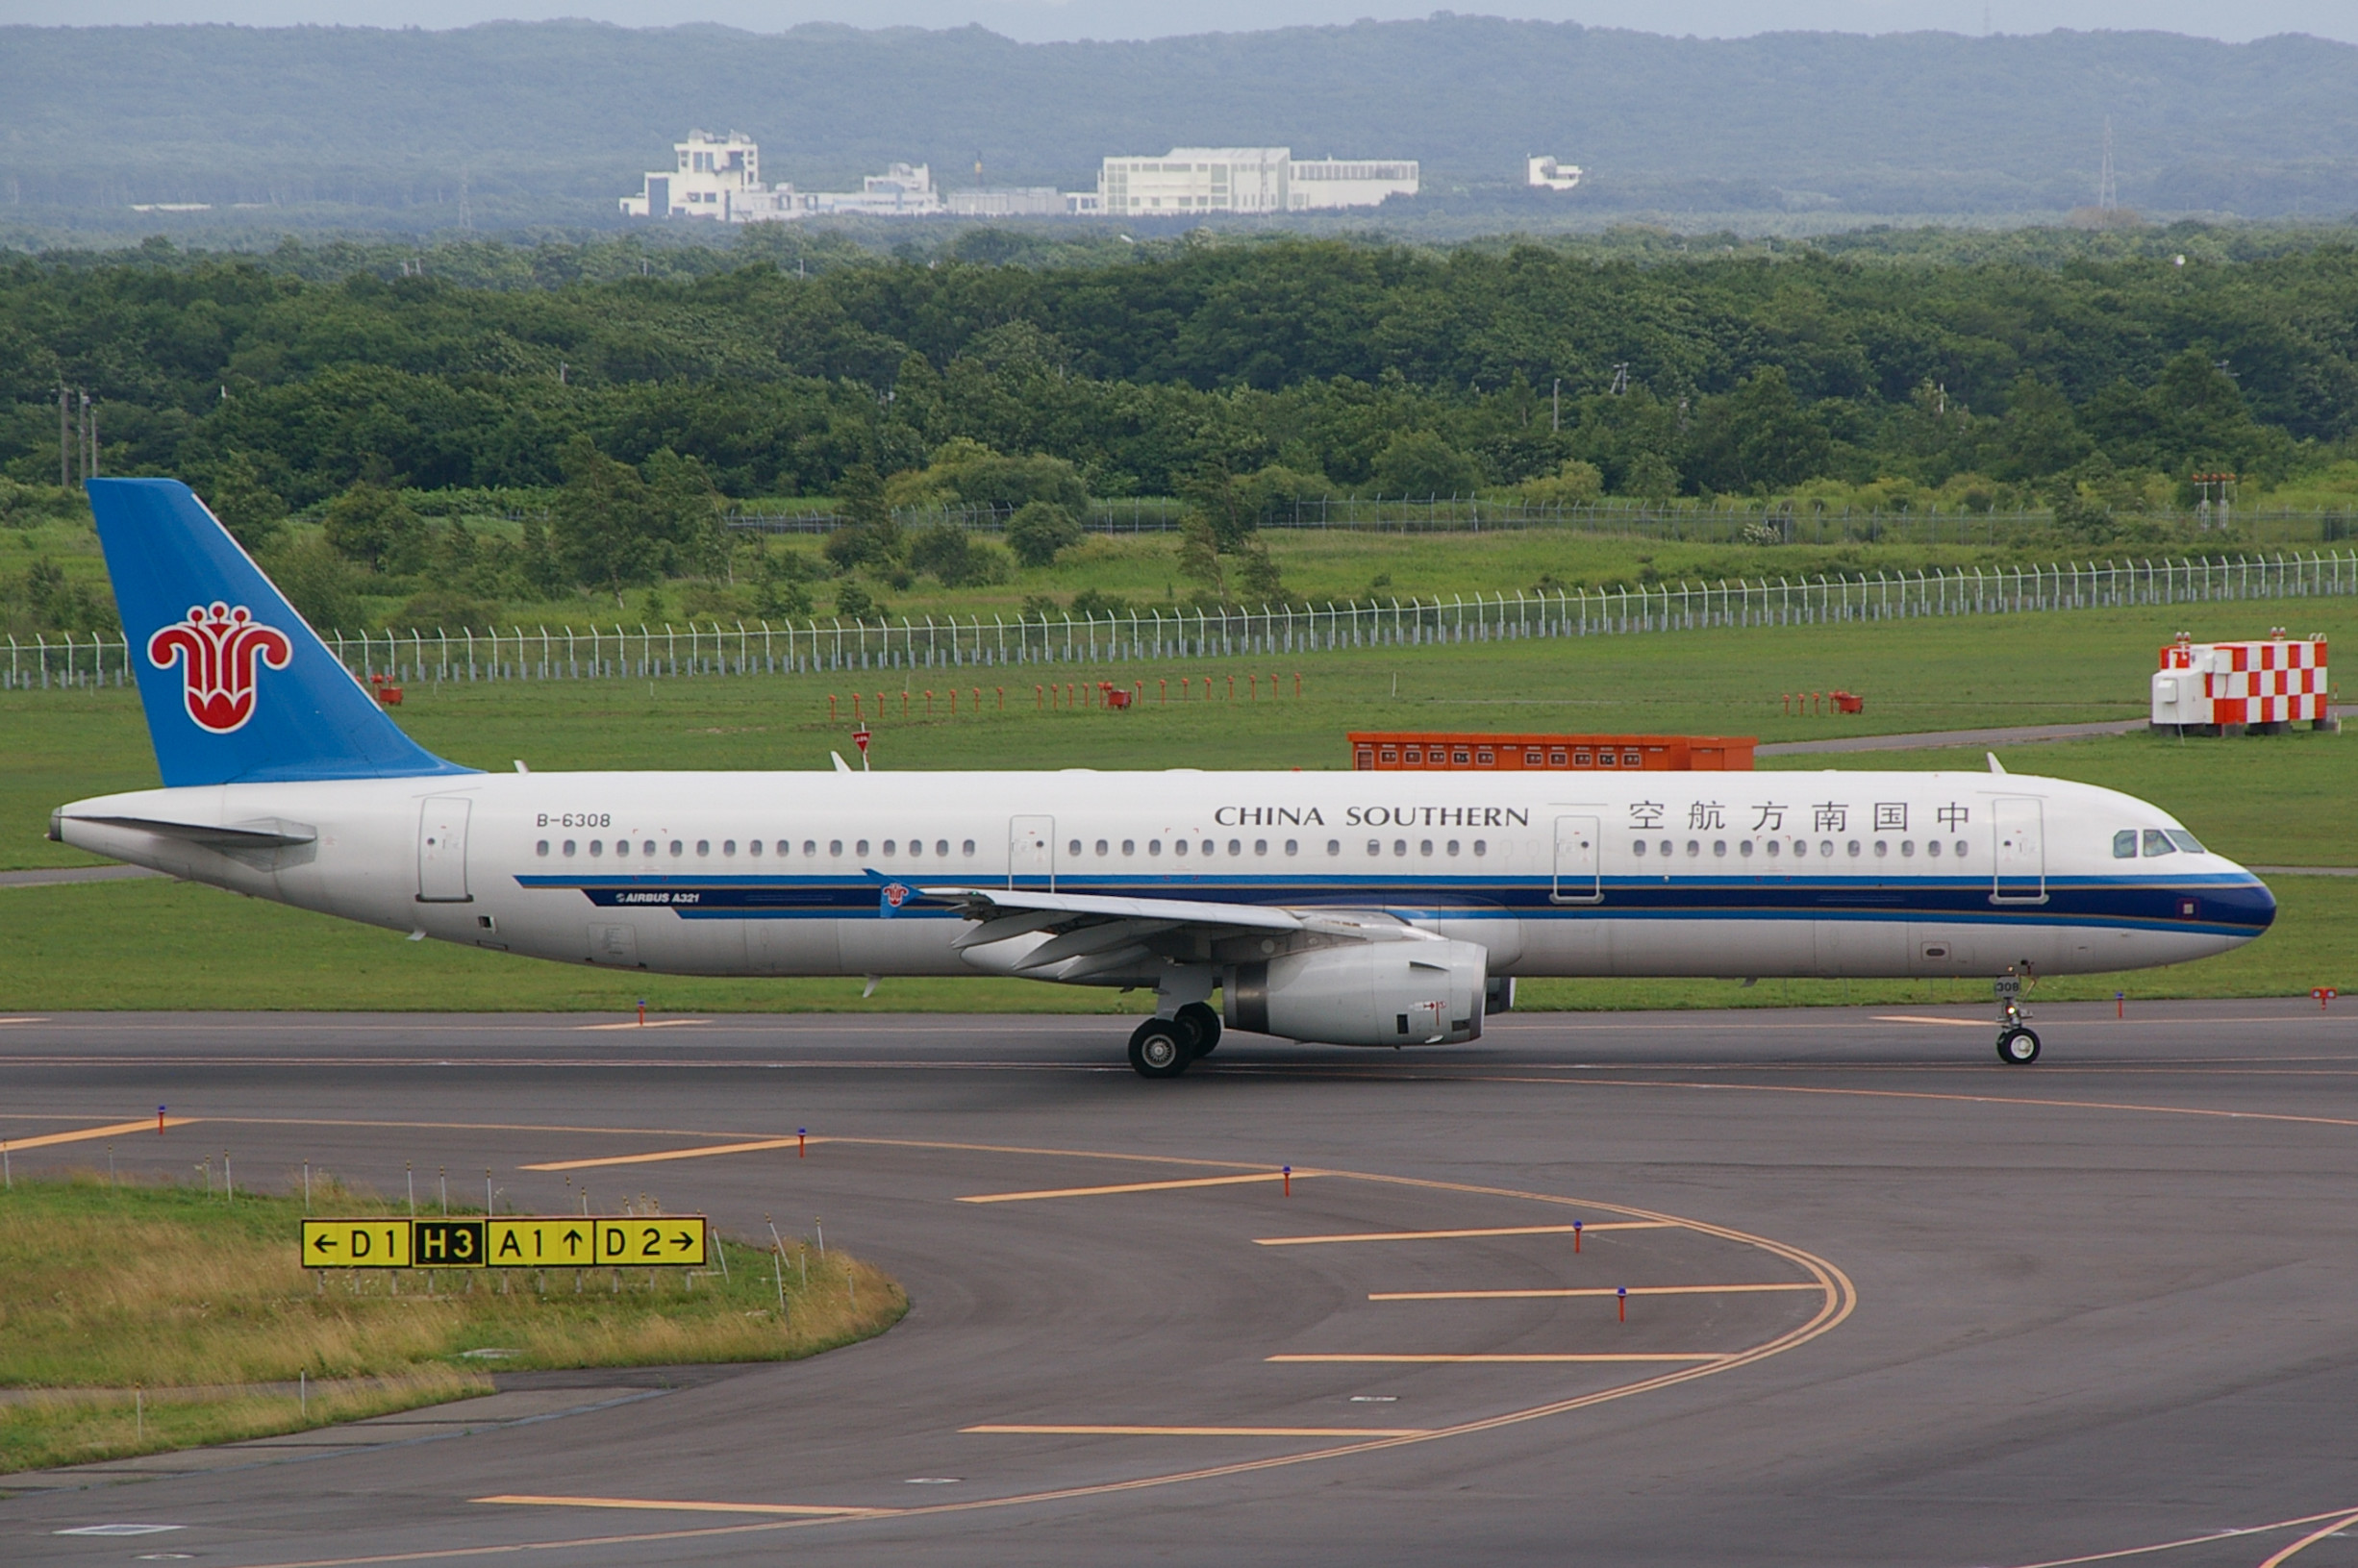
220, 652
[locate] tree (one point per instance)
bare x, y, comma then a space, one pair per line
1040, 531
370, 525
246, 505
1421, 463
2037, 436
1757, 438
600, 525
868, 535
956, 557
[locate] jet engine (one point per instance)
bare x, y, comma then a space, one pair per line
1377, 993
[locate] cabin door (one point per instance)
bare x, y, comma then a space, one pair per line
1031, 852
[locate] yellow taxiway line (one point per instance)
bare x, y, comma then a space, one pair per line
791, 1509
116, 1129
2334, 1528
1502, 1360
1446, 1235
661, 1155
651, 1023
1914, 1018
1201, 1431
1588, 1291
1132, 1186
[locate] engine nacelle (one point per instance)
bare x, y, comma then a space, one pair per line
1378, 993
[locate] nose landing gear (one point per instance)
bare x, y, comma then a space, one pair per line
2017, 1045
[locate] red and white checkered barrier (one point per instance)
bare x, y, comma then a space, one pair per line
2276, 681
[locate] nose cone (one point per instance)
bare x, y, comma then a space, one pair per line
2246, 902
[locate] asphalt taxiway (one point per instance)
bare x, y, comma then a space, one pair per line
1890, 1300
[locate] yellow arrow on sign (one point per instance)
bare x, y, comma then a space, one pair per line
355, 1244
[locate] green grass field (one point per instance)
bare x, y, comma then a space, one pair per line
2285, 800
202, 1301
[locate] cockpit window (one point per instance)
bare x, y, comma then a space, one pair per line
2186, 841
2157, 842
2125, 844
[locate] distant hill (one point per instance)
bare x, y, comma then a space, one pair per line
551, 121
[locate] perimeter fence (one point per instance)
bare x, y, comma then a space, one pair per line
714, 649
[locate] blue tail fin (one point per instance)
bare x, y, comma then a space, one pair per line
237, 688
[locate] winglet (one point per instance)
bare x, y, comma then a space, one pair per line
840, 766
1995, 766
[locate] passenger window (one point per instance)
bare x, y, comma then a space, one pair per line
887, 846
568, 846
597, 846
2157, 842
753, 846
834, 847
1154, 846
809, 846
1907, 846
2186, 841
1932, 847
1718, 847
1101, 846
967, 848
2125, 844
1399, 846
1073, 848
1375, 846
1482, 846
1234, 848
1129, 846
1334, 846
942, 847
1854, 848
859, 848
542, 848
1261, 846
1293, 846
1638, 847
647, 849
1453, 846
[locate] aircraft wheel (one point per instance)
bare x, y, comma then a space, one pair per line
1200, 1027
2017, 1048
1158, 1048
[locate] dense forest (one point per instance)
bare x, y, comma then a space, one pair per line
549, 122
1239, 375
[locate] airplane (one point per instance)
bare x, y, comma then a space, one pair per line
1347, 909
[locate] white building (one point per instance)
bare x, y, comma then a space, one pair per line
721, 178
902, 191
1189, 180
1546, 174
714, 177
1008, 202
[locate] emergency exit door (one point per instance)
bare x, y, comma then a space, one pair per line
1031, 852
441, 849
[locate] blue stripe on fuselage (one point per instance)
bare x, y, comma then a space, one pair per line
2223, 904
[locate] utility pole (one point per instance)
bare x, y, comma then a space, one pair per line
65, 473
2108, 193
466, 214
1555, 407
89, 439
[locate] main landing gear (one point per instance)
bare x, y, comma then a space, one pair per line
1162, 1047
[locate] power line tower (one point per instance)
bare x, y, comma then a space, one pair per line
2108, 190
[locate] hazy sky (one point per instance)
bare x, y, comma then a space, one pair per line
1052, 19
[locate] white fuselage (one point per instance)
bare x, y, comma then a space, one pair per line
1654, 874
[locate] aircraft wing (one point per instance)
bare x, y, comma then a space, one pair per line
1093, 937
